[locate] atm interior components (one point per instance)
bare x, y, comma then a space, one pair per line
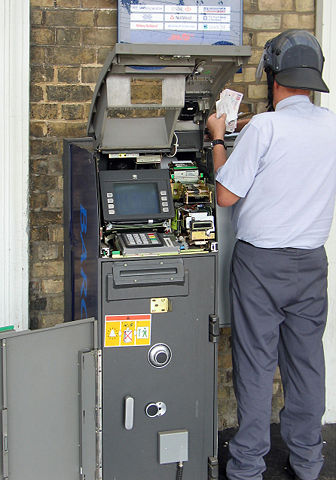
185, 172
141, 256
177, 202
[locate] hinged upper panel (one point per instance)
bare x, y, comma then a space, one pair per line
146, 92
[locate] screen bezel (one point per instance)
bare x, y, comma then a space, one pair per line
159, 178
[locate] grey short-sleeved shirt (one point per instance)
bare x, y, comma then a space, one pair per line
284, 168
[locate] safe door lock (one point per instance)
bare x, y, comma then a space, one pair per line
159, 355
155, 409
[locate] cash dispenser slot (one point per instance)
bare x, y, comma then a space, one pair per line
163, 277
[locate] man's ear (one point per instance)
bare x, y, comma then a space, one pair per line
275, 84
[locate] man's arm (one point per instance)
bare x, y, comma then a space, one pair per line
225, 198
216, 127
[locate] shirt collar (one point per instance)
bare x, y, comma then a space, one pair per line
294, 99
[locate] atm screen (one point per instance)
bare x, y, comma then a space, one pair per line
136, 196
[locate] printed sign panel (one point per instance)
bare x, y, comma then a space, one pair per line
212, 22
133, 330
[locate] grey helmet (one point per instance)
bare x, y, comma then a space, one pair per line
296, 59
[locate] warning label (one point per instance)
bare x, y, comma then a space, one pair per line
132, 330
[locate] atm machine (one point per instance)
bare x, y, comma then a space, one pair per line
141, 256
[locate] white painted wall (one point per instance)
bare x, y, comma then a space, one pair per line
14, 151
326, 21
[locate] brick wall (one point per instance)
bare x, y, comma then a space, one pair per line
69, 43
70, 40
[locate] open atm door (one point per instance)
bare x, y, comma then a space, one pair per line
48, 393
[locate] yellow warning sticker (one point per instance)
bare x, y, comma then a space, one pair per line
128, 330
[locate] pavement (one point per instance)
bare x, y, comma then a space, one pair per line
277, 457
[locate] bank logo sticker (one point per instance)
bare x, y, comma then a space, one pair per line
132, 330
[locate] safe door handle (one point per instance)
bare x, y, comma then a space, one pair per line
148, 274
129, 412
150, 271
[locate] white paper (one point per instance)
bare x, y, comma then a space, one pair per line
228, 103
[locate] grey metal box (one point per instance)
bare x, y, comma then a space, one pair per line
173, 446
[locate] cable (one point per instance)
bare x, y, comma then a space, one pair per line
179, 472
175, 145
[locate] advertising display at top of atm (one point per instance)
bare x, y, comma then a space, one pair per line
200, 22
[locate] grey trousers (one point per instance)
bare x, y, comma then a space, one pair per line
279, 306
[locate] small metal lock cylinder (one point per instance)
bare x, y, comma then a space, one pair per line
155, 409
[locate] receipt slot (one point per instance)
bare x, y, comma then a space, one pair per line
141, 256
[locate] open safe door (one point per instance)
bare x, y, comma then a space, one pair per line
48, 392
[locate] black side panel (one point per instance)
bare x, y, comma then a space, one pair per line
81, 230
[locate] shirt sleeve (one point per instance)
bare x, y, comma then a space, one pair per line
240, 169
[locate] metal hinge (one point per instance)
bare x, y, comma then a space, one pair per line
213, 328
4, 411
212, 468
4, 444
91, 415
99, 416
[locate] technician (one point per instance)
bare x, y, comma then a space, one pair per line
281, 181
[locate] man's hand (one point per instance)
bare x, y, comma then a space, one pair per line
216, 126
